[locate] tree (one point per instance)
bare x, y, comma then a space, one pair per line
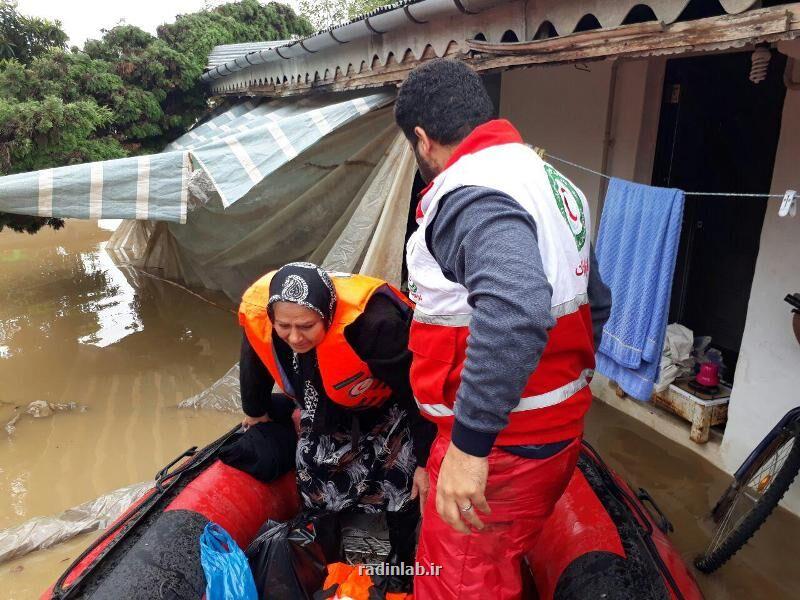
23, 38
327, 13
125, 94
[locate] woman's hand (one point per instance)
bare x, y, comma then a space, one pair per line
420, 487
248, 422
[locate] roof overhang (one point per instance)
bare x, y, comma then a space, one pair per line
637, 40
387, 19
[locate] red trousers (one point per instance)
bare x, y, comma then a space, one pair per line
521, 493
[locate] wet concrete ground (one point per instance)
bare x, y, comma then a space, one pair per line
75, 328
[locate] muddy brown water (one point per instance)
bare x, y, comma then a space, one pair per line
686, 487
76, 328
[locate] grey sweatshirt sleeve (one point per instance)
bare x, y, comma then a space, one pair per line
599, 300
487, 242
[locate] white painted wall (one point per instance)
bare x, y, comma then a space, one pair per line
768, 372
563, 110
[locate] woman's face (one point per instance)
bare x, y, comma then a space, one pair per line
298, 326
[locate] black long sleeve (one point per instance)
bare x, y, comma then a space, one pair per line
256, 383
599, 300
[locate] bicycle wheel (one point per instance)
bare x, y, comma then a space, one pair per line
748, 502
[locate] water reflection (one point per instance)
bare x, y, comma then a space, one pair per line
116, 309
76, 328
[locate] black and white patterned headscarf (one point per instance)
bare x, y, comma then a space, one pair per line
305, 284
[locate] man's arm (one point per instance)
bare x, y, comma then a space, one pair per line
487, 242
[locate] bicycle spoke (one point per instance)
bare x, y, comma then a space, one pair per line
761, 481
723, 529
752, 492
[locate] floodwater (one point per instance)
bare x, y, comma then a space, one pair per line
125, 348
685, 487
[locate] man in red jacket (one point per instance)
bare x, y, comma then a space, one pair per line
508, 303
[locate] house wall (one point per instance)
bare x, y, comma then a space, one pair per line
565, 110
768, 372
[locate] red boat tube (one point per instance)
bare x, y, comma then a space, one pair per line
601, 541
152, 551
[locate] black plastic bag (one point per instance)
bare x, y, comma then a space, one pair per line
289, 560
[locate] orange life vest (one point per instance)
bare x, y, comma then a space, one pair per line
347, 582
346, 378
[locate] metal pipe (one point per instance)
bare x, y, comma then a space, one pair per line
608, 140
429, 8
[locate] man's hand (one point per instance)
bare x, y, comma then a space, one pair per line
420, 487
461, 485
248, 422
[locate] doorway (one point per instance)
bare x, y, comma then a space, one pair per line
718, 132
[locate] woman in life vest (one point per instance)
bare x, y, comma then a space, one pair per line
336, 345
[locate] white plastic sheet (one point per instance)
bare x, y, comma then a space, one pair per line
325, 206
222, 395
43, 532
234, 150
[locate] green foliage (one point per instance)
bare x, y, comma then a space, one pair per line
125, 94
327, 13
23, 38
49, 132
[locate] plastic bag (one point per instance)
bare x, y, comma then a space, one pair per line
228, 576
289, 560
676, 359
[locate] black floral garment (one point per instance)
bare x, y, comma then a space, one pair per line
339, 466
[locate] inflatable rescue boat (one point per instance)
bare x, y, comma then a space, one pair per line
601, 541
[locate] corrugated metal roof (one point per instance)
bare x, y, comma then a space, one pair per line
342, 33
412, 28
373, 13
228, 52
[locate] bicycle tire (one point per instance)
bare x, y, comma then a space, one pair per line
723, 504
739, 535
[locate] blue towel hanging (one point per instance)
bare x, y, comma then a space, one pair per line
636, 250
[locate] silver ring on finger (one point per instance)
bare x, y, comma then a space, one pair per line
467, 508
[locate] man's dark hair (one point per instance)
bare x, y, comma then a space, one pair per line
446, 98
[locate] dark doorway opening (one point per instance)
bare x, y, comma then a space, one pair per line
718, 132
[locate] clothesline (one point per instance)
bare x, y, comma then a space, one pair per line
543, 152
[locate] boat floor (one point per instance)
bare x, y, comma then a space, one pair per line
365, 538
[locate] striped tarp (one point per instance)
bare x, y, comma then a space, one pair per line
142, 187
236, 149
